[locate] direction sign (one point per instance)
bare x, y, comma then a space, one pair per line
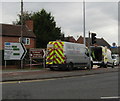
37, 53
14, 51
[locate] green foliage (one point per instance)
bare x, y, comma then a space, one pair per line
26, 16
44, 27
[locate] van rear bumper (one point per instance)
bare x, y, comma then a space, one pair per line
56, 65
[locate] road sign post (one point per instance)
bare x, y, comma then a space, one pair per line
5, 64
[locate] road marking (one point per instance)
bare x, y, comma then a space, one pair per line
9, 82
39, 80
111, 97
25, 81
87, 75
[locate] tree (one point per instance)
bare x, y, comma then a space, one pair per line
26, 16
44, 27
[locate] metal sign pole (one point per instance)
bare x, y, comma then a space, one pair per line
44, 62
30, 56
44, 57
21, 64
5, 64
30, 63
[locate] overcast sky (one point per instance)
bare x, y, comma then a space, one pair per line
101, 17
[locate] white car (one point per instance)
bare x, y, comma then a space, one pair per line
115, 58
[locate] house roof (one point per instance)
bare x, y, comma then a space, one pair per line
99, 41
70, 39
15, 31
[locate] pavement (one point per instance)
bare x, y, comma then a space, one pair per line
20, 75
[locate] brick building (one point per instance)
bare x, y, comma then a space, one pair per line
12, 33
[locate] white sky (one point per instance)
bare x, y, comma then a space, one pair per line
101, 17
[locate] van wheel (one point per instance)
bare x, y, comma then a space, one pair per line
70, 66
113, 65
52, 68
90, 66
105, 65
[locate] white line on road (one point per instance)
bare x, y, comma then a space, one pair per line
111, 97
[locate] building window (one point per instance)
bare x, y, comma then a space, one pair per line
25, 41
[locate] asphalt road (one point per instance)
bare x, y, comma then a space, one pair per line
98, 86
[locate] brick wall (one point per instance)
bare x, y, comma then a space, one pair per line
16, 39
80, 40
29, 24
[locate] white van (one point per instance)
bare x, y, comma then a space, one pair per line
66, 55
101, 56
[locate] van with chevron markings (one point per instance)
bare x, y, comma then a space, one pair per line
66, 55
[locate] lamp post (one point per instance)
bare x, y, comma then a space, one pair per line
84, 22
21, 29
21, 21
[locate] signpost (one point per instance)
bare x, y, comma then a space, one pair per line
36, 53
14, 51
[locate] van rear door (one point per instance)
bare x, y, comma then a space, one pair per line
96, 53
50, 54
59, 57
55, 53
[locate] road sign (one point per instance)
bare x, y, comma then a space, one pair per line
14, 51
37, 53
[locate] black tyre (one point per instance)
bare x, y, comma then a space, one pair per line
51, 68
70, 66
113, 65
90, 66
102, 65
105, 65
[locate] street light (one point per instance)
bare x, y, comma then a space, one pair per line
21, 38
84, 22
21, 21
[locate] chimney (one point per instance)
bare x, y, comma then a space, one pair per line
29, 24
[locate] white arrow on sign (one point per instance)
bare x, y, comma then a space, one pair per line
24, 51
14, 51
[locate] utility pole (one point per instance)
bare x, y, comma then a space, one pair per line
84, 22
21, 28
21, 21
